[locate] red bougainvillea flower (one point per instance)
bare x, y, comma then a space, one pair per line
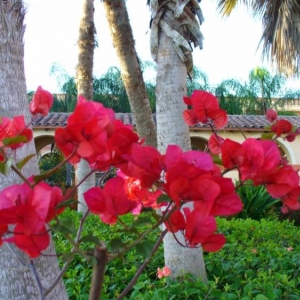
119, 144
205, 108
31, 244
41, 102
183, 171
3, 230
175, 222
10, 128
291, 199
144, 163
232, 154
291, 137
2, 158
164, 272
259, 157
29, 209
278, 181
201, 230
281, 127
271, 115
87, 131
192, 177
227, 202
215, 144
143, 196
110, 201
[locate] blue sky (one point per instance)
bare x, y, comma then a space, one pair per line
230, 44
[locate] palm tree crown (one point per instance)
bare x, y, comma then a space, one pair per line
281, 30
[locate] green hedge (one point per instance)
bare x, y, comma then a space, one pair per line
261, 260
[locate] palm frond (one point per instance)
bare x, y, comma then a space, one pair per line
281, 34
227, 6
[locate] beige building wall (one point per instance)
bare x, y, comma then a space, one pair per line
199, 138
291, 149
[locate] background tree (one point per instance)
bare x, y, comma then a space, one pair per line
262, 91
109, 89
16, 270
199, 81
235, 98
84, 83
121, 33
281, 30
266, 87
66, 83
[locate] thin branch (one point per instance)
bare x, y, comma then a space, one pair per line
144, 234
143, 266
66, 265
79, 231
101, 255
37, 280
58, 278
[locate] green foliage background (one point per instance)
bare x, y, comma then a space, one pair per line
255, 263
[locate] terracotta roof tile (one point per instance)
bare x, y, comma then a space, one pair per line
235, 122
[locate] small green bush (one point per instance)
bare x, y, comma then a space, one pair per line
261, 260
257, 202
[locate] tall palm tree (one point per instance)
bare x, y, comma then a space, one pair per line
281, 29
236, 98
109, 89
17, 281
261, 92
266, 86
174, 25
121, 33
199, 81
84, 83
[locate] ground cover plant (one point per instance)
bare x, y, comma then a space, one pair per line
260, 260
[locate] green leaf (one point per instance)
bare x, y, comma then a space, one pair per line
24, 161
116, 244
68, 256
163, 198
217, 160
65, 225
268, 127
66, 203
39, 178
144, 248
5, 166
14, 140
142, 221
92, 261
261, 297
267, 136
91, 239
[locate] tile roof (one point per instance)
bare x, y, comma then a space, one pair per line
235, 122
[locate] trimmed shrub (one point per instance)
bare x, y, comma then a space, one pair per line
261, 260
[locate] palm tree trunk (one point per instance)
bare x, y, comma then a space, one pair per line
173, 26
118, 20
171, 129
17, 282
84, 81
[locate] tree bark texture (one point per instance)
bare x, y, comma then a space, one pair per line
172, 130
84, 82
121, 32
16, 280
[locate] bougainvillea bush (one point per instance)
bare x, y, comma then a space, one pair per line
145, 179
